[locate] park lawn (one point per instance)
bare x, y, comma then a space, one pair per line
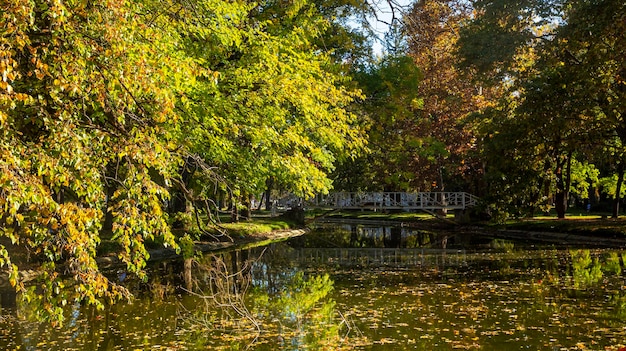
256, 226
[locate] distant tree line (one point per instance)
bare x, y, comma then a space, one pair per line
519, 102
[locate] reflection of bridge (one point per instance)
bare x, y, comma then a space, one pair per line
394, 201
380, 257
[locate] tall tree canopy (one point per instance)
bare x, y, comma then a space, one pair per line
103, 104
388, 113
418, 106
561, 62
450, 94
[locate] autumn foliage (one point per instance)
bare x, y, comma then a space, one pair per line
103, 105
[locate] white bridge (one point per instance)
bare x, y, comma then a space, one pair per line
427, 201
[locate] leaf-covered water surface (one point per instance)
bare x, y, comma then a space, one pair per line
518, 301
536, 300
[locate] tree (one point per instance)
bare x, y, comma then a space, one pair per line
594, 43
557, 58
83, 109
388, 114
450, 93
417, 111
278, 108
106, 109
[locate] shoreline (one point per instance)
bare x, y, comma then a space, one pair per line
248, 242
581, 231
112, 261
597, 233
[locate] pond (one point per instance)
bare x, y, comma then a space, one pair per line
332, 290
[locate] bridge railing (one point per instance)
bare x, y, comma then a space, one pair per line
395, 200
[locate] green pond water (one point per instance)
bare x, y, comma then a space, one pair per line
326, 291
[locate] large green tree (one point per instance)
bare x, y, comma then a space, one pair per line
84, 107
593, 44
389, 113
560, 61
104, 107
277, 111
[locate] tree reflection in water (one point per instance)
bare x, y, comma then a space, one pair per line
271, 299
245, 304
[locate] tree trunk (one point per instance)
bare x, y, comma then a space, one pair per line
221, 195
269, 184
261, 200
560, 203
187, 273
442, 212
234, 210
568, 178
618, 189
560, 198
246, 212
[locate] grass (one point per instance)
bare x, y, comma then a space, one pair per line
256, 226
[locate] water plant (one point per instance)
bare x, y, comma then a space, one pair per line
586, 271
612, 264
503, 245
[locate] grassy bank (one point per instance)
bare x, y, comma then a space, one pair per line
589, 224
256, 225
580, 225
